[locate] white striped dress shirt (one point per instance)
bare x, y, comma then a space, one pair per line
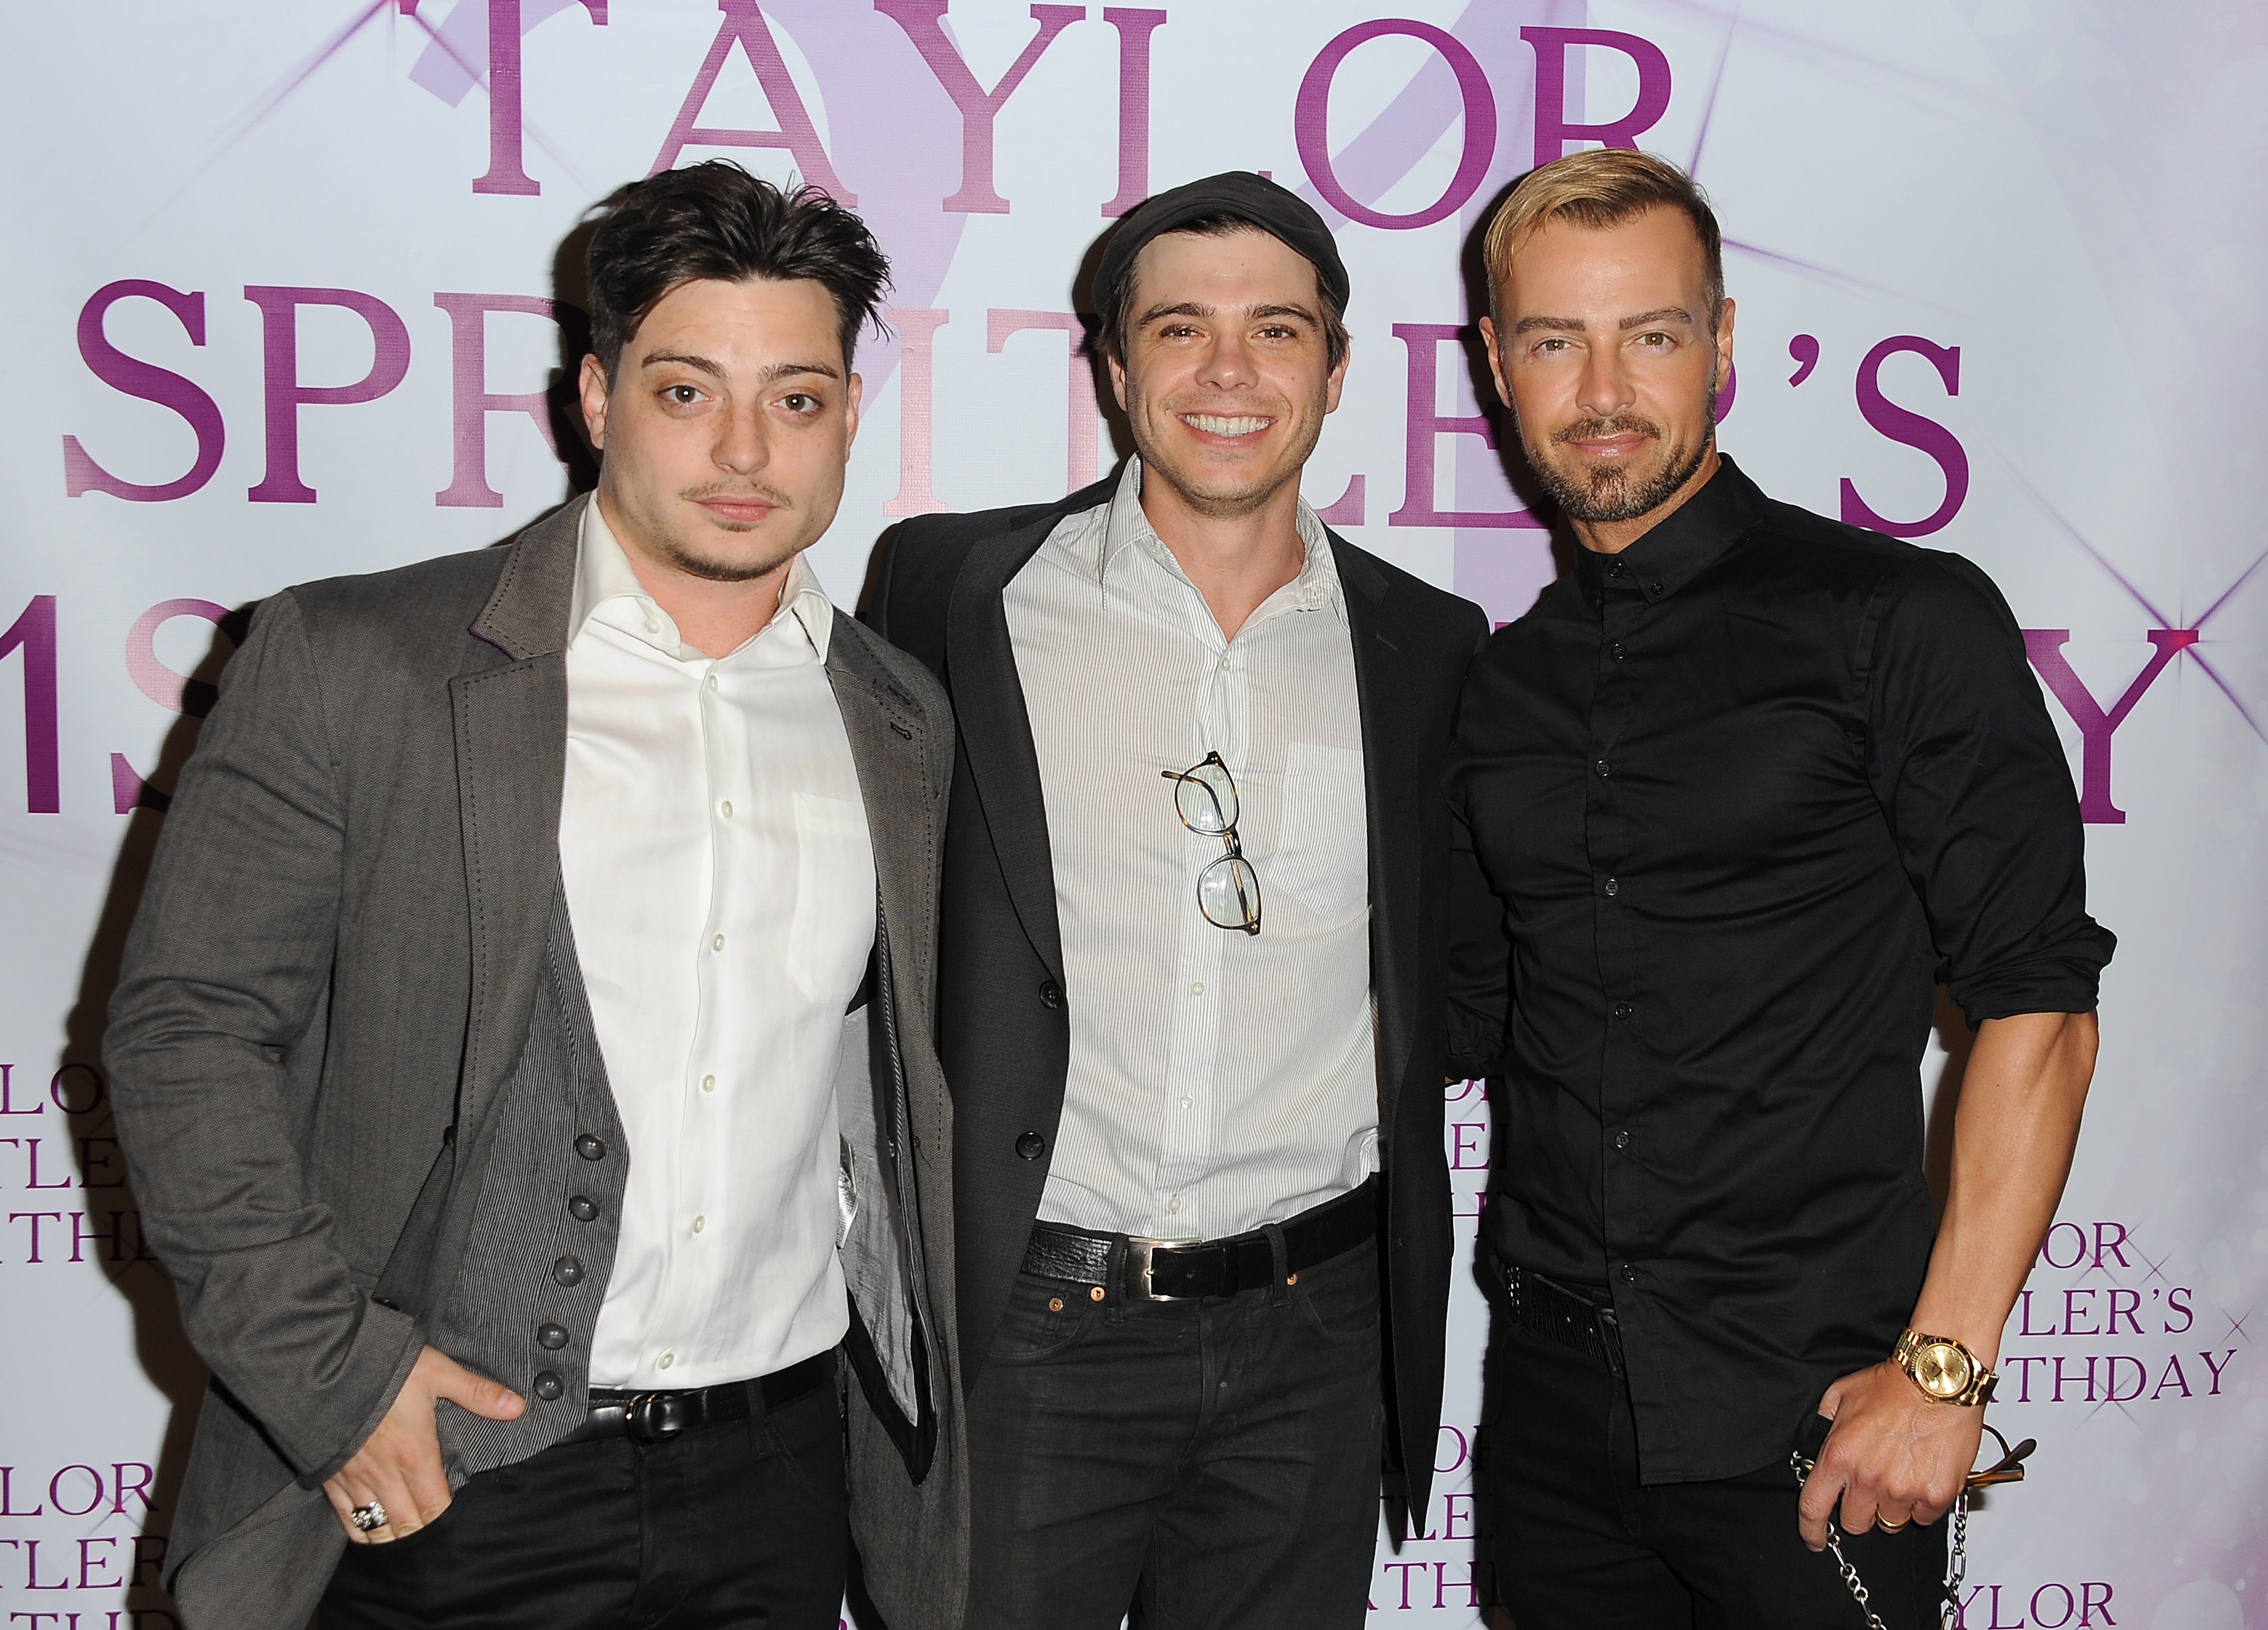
721, 880
1218, 1080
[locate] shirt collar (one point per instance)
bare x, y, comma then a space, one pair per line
1127, 526
1692, 536
603, 574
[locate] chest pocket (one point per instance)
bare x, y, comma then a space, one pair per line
1323, 858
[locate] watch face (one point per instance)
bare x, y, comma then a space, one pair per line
1943, 1370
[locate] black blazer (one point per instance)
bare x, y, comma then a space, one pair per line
1004, 1030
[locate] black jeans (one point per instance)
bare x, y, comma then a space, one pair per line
741, 1523
1203, 1463
1580, 1544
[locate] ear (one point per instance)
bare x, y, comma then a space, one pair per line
1496, 361
1337, 383
854, 393
1117, 379
592, 386
1724, 344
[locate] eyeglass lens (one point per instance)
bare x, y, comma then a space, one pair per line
1206, 798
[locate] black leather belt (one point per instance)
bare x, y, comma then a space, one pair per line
1546, 1308
650, 1417
1147, 1270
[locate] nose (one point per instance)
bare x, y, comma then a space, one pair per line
743, 445
1228, 363
1605, 388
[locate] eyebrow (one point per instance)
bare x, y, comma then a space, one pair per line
1574, 325
715, 370
1197, 308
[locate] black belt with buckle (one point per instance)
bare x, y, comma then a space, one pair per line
650, 1417
1545, 1308
1147, 1270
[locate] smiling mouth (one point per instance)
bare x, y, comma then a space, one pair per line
1226, 425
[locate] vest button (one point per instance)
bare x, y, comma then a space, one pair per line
551, 1337
1050, 994
590, 1148
582, 1208
1031, 1145
548, 1385
568, 1271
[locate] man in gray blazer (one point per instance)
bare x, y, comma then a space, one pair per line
524, 1049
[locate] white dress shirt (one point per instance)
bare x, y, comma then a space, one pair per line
721, 881
1218, 1080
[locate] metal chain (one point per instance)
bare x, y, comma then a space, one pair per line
1956, 1565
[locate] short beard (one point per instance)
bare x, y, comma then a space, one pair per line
714, 570
1618, 494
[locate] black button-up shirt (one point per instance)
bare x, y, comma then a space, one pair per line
1730, 805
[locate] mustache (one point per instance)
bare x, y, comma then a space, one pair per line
740, 491
1620, 425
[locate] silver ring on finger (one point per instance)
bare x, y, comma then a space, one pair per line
368, 1518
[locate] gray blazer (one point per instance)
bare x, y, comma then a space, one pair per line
351, 961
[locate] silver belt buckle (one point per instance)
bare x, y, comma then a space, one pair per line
1138, 1253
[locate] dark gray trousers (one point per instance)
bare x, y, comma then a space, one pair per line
1200, 1463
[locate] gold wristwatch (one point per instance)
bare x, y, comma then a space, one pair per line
1946, 1371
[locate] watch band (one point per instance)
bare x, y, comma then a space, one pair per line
1929, 1376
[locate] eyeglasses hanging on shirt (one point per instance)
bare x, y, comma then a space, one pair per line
1228, 890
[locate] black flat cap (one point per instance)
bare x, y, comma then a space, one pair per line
1240, 195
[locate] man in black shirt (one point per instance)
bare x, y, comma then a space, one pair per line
1732, 801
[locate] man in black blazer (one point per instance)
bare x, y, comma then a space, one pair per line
1190, 980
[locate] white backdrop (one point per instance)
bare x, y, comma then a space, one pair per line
278, 276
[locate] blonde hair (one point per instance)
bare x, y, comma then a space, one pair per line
1603, 187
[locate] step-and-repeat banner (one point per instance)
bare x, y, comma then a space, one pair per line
289, 284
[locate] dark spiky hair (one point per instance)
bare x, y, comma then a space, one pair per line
715, 220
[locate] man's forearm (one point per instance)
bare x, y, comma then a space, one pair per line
2012, 1138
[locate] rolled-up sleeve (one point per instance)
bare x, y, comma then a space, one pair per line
1978, 795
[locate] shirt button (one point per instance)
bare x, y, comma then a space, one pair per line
1601, 766
665, 1360
1174, 1204
551, 1337
1613, 887
700, 1223
712, 681
1050, 994
725, 809
568, 1271
708, 1083
1615, 568
1622, 1010
1619, 650
582, 1208
652, 627
1197, 989
1653, 588
591, 1149
548, 1384
1031, 1145
1621, 1140
717, 944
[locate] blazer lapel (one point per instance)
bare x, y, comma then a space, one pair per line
512, 762
1391, 789
996, 731
890, 747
